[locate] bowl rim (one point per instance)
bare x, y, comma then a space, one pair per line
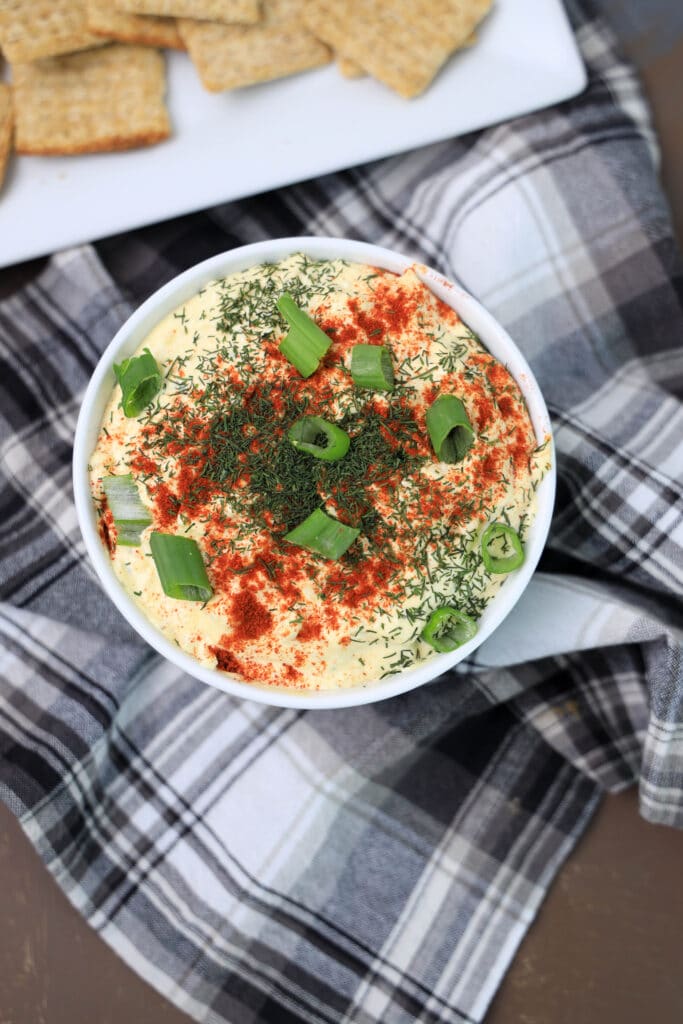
178, 290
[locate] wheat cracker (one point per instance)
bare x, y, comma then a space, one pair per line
350, 69
132, 28
35, 29
233, 56
105, 99
403, 43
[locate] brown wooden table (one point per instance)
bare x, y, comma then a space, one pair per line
607, 946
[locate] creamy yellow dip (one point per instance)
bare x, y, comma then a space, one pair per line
212, 462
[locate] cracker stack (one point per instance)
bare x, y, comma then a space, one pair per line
87, 77
74, 93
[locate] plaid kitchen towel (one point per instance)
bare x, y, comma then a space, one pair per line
379, 864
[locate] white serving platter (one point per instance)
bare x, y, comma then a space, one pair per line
236, 144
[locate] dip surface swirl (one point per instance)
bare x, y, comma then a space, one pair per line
213, 462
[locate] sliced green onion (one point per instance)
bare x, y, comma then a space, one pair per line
181, 569
319, 438
140, 380
130, 515
371, 367
450, 430
501, 548
306, 344
447, 629
323, 534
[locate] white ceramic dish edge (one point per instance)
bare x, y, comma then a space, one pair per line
179, 290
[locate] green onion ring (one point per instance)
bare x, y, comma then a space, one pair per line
305, 344
498, 533
130, 515
450, 430
448, 628
307, 433
371, 367
323, 535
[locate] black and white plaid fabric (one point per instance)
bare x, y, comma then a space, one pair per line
379, 864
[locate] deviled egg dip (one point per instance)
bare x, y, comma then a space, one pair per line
313, 475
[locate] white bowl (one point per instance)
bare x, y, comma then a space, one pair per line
182, 288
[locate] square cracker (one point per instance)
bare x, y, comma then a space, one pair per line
34, 29
131, 28
232, 56
403, 43
349, 69
239, 12
5, 127
88, 102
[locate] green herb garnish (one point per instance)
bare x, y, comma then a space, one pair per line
140, 380
181, 569
323, 534
501, 548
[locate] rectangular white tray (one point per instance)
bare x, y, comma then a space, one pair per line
235, 144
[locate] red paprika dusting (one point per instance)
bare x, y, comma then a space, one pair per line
396, 304
520, 451
194, 490
250, 619
143, 464
390, 311
498, 375
106, 528
371, 324
176, 447
231, 374
434, 501
277, 402
311, 629
489, 470
263, 566
291, 674
506, 405
166, 505
343, 331
332, 617
460, 509
364, 584
278, 674
484, 412
446, 312
226, 660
